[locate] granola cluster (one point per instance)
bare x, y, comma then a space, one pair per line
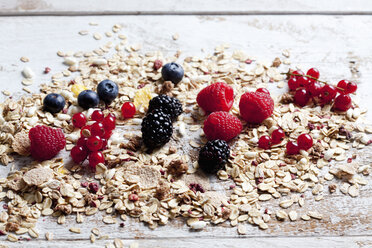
166, 184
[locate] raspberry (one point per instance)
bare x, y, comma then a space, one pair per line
222, 125
255, 107
216, 97
263, 90
46, 142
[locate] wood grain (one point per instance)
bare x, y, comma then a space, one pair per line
331, 43
183, 7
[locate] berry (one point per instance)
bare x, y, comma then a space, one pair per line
263, 90
104, 144
156, 129
88, 127
88, 99
292, 148
303, 81
97, 115
222, 125
213, 156
54, 103
46, 142
216, 97
107, 135
298, 72
95, 158
301, 97
128, 110
78, 154
79, 120
314, 89
347, 87
109, 123
107, 91
111, 115
304, 141
264, 142
168, 105
94, 143
82, 141
172, 72
313, 72
293, 84
343, 102
97, 129
277, 136
255, 107
158, 64
327, 94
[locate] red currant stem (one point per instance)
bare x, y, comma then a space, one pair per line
320, 81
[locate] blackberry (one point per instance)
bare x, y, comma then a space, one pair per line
169, 105
213, 156
156, 129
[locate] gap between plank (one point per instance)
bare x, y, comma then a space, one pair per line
185, 13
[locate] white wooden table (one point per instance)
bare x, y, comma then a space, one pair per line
334, 36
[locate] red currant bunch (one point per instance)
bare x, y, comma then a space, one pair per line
307, 87
93, 138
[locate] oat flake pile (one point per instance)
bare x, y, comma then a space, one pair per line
167, 183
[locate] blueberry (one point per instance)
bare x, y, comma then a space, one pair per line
172, 72
54, 103
88, 99
107, 91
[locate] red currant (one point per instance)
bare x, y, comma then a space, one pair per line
314, 88
304, 141
94, 143
298, 72
277, 136
82, 141
78, 154
327, 94
343, 102
79, 120
128, 110
97, 115
301, 97
108, 123
313, 72
303, 81
292, 148
111, 115
264, 142
293, 84
97, 129
107, 135
104, 144
347, 87
263, 90
88, 127
95, 158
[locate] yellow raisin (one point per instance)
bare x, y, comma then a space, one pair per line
77, 88
142, 97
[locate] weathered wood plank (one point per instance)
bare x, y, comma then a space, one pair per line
71, 7
308, 242
326, 42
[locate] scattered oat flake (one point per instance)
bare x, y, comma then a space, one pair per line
242, 230
74, 230
24, 59
97, 36
175, 36
83, 32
